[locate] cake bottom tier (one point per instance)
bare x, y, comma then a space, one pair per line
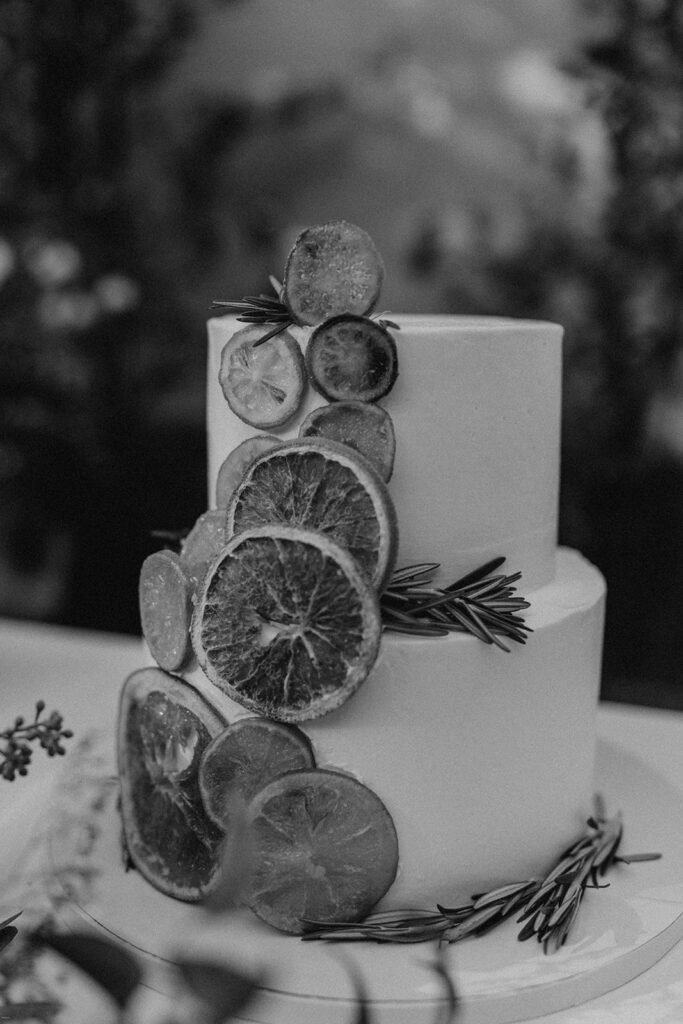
483, 758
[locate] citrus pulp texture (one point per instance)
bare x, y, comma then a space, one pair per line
263, 384
165, 599
324, 848
164, 727
365, 427
332, 268
244, 758
319, 484
287, 625
352, 358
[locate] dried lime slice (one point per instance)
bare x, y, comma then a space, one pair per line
202, 544
237, 462
165, 596
333, 268
320, 484
164, 727
352, 358
324, 849
287, 625
245, 757
361, 425
263, 384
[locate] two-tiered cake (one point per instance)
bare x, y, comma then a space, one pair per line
482, 757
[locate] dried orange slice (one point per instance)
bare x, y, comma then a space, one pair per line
164, 726
287, 625
165, 598
233, 467
202, 544
332, 268
319, 484
324, 848
367, 428
263, 384
352, 358
245, 757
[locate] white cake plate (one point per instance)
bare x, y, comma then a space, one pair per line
620, 932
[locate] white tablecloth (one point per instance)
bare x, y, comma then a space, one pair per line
81, 673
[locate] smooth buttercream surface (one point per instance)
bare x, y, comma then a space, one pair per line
476, 412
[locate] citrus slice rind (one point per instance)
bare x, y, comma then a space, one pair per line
319, 484
236, 463
332, 268
164, 726
352, 358
246, 756
202, 544
324, 848
263, 384
365, 427
165, 600
287, 625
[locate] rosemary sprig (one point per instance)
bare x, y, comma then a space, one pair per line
261, 309
546, 907
15, 755
479, 603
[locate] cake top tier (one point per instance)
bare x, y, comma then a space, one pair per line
476, 414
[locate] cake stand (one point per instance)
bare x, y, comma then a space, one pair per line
620, 932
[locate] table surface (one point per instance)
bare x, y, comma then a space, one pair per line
80, 673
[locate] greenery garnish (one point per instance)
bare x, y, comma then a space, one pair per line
479, 603
15, 755
546, 907
261, 309
266, 309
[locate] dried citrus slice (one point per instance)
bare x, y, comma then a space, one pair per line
165, 597
202, 544
332, 268
352, 358
237, 462
164, 727
320, 484
361, 425
287, 624
263, 384
324, 849
244, 758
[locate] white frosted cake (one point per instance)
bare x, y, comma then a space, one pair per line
481, 758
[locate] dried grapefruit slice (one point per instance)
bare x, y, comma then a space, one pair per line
352, 358
202, 544
164, 726
237, 462
244, 758
324, 849
367, 428
287, 625
320, 484
263, 384
333, 268
165, 598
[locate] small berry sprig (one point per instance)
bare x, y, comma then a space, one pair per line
15, 755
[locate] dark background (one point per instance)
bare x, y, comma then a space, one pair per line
521, 157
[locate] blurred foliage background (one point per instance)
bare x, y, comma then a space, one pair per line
521, 157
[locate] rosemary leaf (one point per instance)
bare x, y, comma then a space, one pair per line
472, 577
